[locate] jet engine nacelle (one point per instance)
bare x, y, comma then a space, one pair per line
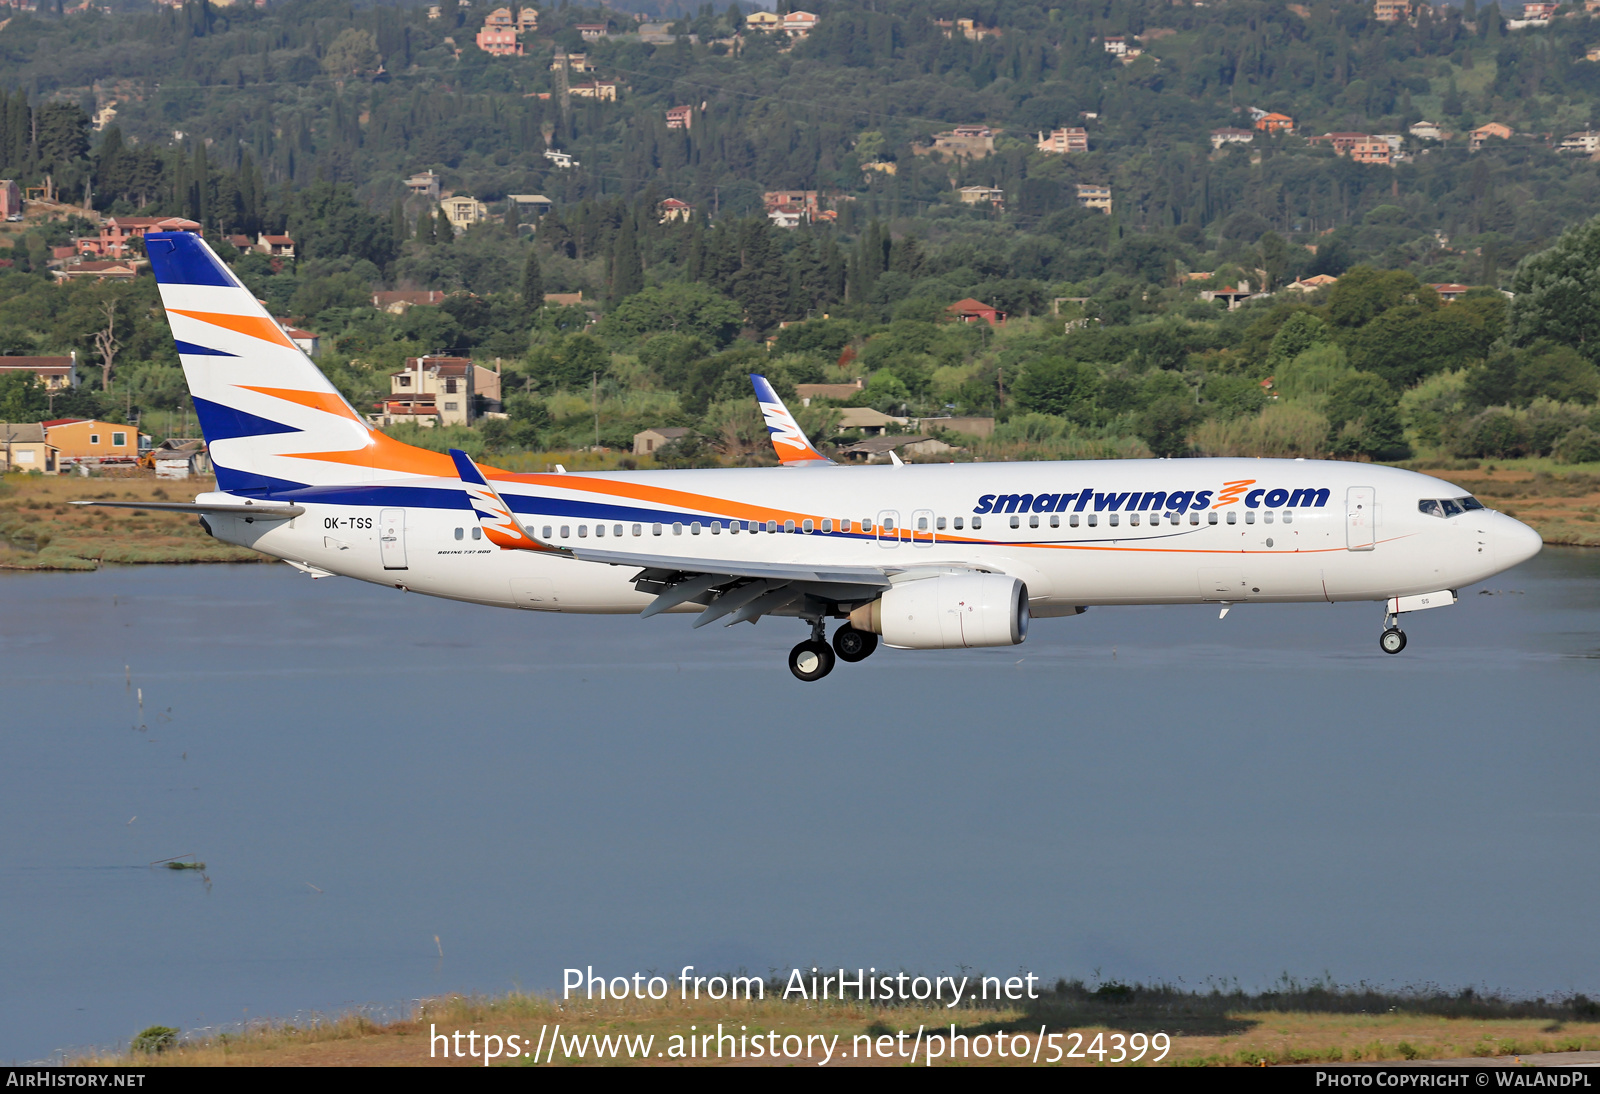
950, 611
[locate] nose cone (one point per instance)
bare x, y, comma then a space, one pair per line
1515, 542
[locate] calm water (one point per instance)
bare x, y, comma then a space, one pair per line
1147, 792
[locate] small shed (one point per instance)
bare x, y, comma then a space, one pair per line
645, 443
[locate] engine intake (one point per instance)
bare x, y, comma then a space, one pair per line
950, 611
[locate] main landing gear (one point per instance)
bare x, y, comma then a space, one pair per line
814, 658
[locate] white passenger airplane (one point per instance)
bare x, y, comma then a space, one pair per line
927, 557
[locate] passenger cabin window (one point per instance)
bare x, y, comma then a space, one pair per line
1072, 521
638, 530
545, 532
1233, 518
807, 527
583, 531
477, 533
827, 524
1114, 518
1249, 518
459, 533
1094, 520
1194, 518
1288, 516
1055, 520
600, 529
677, 528
1133, 519
958, 522
788, 526
1016, 522
1266, 518
1211, 518
566, 530
655, 530
922, 524
772, 526
1033, 521
977, 522
694, 528
938, 524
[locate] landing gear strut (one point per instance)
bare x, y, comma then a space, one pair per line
1393, 639
853, 645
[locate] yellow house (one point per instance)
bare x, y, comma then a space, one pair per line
23, 448
763, 20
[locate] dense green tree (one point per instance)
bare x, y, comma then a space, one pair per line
1558, 293
691, 310
1054, 385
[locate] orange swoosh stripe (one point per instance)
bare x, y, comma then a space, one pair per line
387, 454
253, 325
316, 400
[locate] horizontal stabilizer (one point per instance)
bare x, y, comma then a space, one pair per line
246, 509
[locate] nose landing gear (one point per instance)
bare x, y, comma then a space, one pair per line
1393, 639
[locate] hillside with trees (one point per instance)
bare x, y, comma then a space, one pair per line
308, 117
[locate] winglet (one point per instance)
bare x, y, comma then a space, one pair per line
788, 439
499, 523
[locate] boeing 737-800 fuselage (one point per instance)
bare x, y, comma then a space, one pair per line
925, 556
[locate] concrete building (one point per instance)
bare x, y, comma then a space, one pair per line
1064, 141
980, 195
464, 212
10, 199
1095, 197
430, 391
971, 311
1231, 135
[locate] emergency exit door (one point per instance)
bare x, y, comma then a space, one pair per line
392, 538
1360, 529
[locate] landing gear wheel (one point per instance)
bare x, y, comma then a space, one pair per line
811, 660
853, 645
1392, 640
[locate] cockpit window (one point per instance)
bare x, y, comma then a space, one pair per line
1448, 507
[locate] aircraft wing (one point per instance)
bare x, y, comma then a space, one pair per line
744, 590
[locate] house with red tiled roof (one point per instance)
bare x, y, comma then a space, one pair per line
276, 246
971, 311
1449, 292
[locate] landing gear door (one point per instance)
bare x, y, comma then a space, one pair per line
392, 538
888, 528
1360, 515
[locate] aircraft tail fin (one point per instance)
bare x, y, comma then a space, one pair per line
271, 419
788, 439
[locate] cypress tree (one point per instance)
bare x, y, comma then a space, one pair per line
532, 283
627, 270
443, 230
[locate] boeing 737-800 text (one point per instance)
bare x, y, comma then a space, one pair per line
923, 556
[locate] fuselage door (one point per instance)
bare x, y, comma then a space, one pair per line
922, 528
1360, 518
392, 538
888, 528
